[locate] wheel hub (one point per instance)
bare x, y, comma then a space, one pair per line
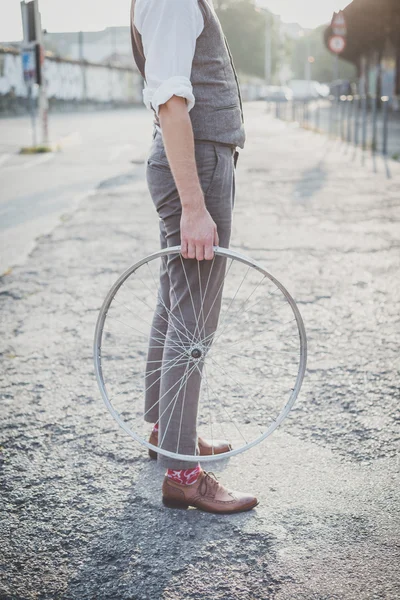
196, 352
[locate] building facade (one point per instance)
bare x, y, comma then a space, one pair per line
373, 46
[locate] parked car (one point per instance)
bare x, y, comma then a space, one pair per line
277, 93
341, 87
302, 89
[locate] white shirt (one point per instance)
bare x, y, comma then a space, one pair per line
169, 29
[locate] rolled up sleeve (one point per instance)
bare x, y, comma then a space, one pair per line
174, 86
169, 29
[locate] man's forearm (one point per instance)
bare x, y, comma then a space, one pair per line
179, 146
198, 230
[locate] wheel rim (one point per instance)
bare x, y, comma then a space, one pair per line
198, 349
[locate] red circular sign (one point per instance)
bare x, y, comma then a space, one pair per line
337, 44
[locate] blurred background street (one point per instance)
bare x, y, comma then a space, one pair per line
38, 189
317, 204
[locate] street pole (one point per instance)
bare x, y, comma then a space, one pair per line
43, 102
336, 67
385, 108
335, 77
33, 42
32, 112
83, 66
29, 65
307, 69
268, 49
375, 100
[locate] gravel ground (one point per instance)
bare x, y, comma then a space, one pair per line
81, 503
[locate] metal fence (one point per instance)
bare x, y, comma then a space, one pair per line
365, 122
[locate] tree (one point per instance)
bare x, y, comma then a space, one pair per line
322, 67
244, 28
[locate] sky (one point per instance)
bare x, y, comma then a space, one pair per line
92, 15
308, 13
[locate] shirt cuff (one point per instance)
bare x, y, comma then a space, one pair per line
174, 86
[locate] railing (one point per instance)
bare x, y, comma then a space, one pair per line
365, 122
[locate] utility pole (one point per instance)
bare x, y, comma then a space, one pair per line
307, 67
33, 58
268, 49
83, 66
336, 67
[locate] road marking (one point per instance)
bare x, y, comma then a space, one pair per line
32, 162
39, 160
4, 158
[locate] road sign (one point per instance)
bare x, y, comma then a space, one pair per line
29, 65
337, 44
339, 26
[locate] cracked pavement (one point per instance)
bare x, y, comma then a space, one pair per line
81, 507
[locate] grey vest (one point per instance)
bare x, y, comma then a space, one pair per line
217, 114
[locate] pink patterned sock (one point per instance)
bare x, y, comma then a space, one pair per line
184, 476
155, 428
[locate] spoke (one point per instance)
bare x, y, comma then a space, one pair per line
183, 382
220, 333
130, 326
230, 344
201, 312
159, 362
234, 380
203, 297
247, 299
188, 334
241, 309
212, 305
151, 308
155, 328
158, 296
164, 363
205, 293
164, 394
175, 364
182, 409
236, 293
262, 358
229, 417
209, 407
191, 297
191, 335
143, 378
223, 351
111, 332
184, 378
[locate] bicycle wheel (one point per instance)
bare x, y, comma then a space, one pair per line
252, 364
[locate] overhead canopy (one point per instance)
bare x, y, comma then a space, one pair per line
369, 24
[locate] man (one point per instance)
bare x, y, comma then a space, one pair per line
191, 86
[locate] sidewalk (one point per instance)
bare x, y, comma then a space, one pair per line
82, 504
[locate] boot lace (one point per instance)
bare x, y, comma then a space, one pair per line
208, 483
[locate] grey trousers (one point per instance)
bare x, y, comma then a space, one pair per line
189, 299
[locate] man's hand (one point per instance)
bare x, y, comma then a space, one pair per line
198, 230
198, 233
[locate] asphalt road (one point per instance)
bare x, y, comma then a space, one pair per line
36, 190
81, 502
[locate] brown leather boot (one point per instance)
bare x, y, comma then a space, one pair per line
206, 494
204, 446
